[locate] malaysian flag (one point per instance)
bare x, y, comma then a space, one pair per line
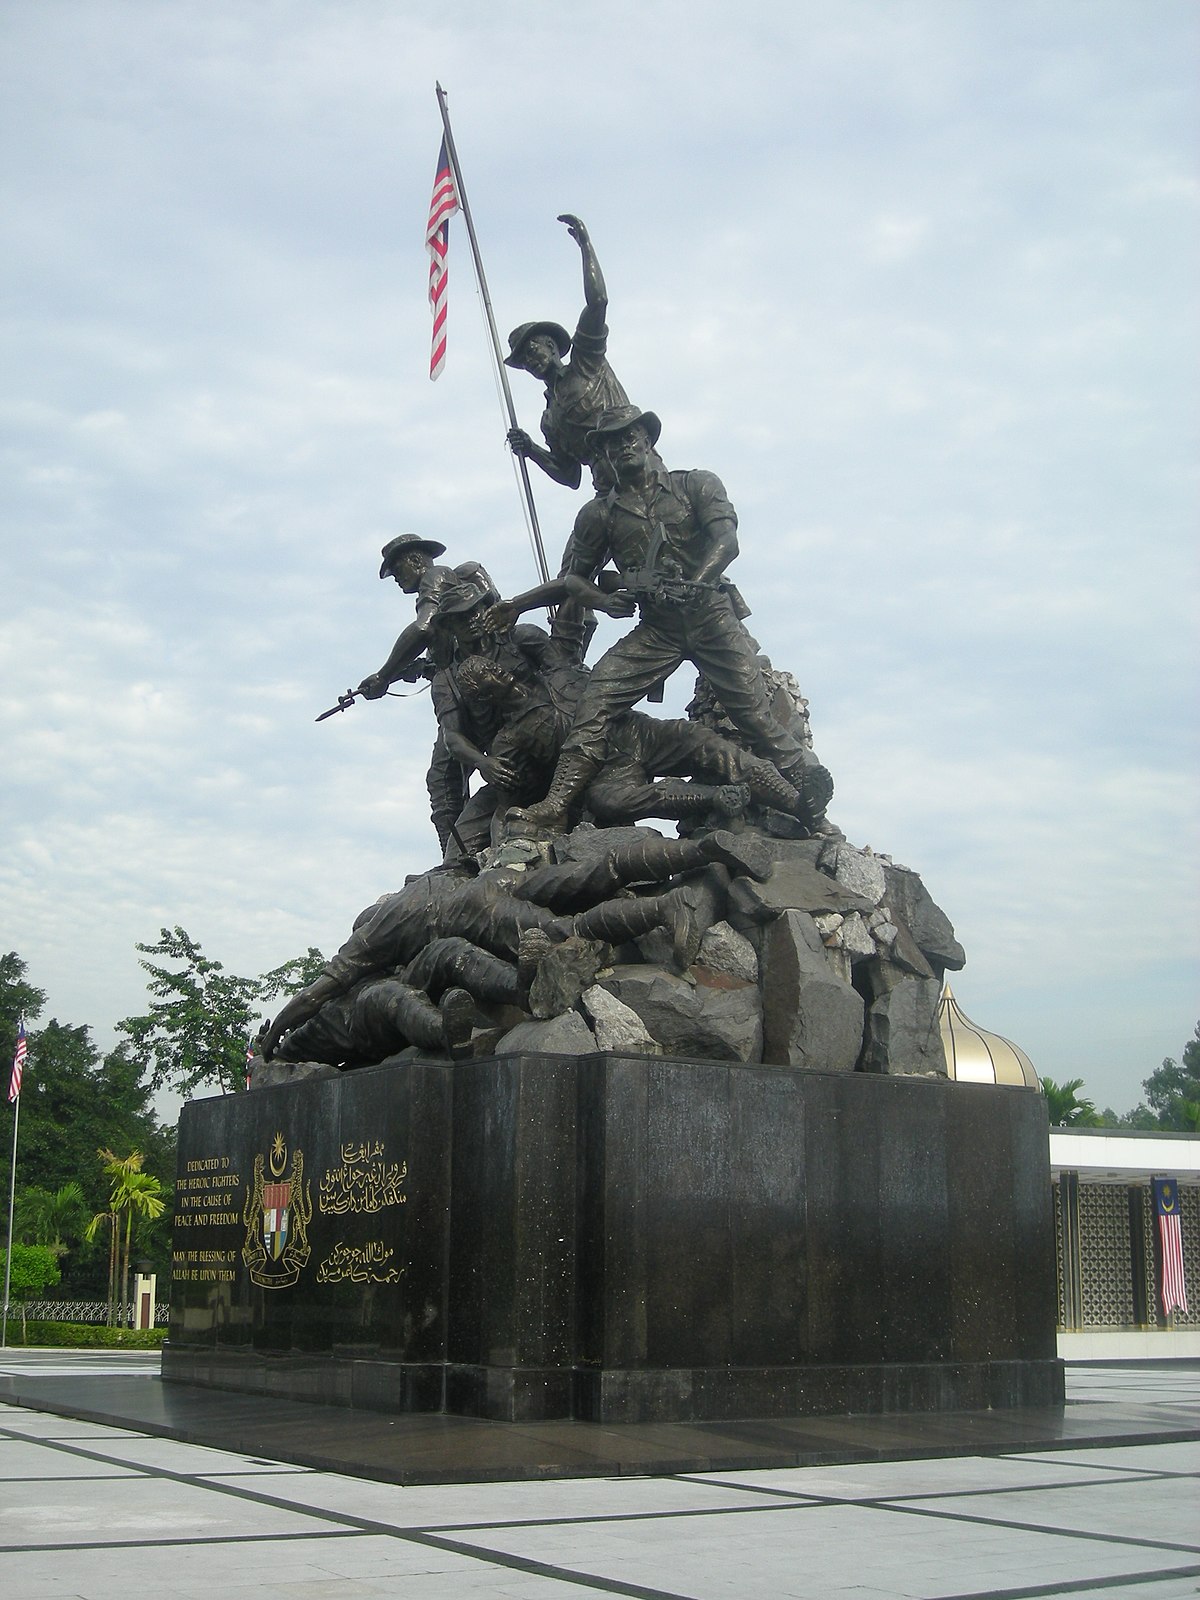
14, 1086
1170, 1240
442, 206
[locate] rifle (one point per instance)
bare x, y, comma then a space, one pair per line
422, 668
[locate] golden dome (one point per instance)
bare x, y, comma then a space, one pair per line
975, 1056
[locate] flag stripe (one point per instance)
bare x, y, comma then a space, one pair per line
1173, 1287
443, 204
18, 1066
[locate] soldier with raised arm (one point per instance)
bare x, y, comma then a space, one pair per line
579, 382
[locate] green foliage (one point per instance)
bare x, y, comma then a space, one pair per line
201, 1017
17, 999
1139, 1119
199, 1021
72, 1103
291, 975
88, 1336
133, 1194
34, 1270
1173, 1093
43, 1217
1066, 1108
1175, 1087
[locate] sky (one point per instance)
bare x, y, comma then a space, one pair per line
917, 279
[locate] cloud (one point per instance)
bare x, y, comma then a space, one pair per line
918, 282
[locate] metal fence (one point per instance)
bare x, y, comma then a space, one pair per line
89, 1311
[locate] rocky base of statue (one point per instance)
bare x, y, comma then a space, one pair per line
806, 952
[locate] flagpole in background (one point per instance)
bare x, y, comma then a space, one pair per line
501, 372
14, 1096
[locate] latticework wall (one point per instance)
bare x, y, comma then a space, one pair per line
1189, 1220
1106, 1260
1106, 1274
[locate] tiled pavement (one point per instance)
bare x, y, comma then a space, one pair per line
92, 1510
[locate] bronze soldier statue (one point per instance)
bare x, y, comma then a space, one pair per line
579, 382
467, 727
423, 646
459, 932
670, 537
647, 757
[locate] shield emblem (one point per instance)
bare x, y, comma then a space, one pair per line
275, 1198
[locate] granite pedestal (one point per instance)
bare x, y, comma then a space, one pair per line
618, 1239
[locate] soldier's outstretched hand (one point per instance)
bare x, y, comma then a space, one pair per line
372, 687
575, 228
500, 618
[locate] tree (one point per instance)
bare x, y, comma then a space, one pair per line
1140, 1117
134, 1193
1066, 1108
108, 1218
202, 1018
1174, 1085
17, 999
199, 1021
42, 1217
291, 975
34, 1270
72, 1103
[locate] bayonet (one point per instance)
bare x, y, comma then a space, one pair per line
344, 702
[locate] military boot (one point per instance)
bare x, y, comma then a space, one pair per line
571, 777
769, 786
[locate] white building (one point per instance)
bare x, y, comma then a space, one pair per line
1106, 1236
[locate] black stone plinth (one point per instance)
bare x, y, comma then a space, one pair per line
619, 1239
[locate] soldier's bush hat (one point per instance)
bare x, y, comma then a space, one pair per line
517, 338
402, 544
617, 418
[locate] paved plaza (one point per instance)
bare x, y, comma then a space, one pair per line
96, 1511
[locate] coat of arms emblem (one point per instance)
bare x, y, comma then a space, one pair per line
277, 1214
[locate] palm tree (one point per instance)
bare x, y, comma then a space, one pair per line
89, 1233
42, 1217
141, 1196
133, 1191
1066, 1108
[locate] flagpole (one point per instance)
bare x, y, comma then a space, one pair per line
12, 1189
523, 469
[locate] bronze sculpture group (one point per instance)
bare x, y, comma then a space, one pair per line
529, 880
649, 541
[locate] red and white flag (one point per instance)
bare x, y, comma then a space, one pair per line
1170, 1240
18, 1068
443, 204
